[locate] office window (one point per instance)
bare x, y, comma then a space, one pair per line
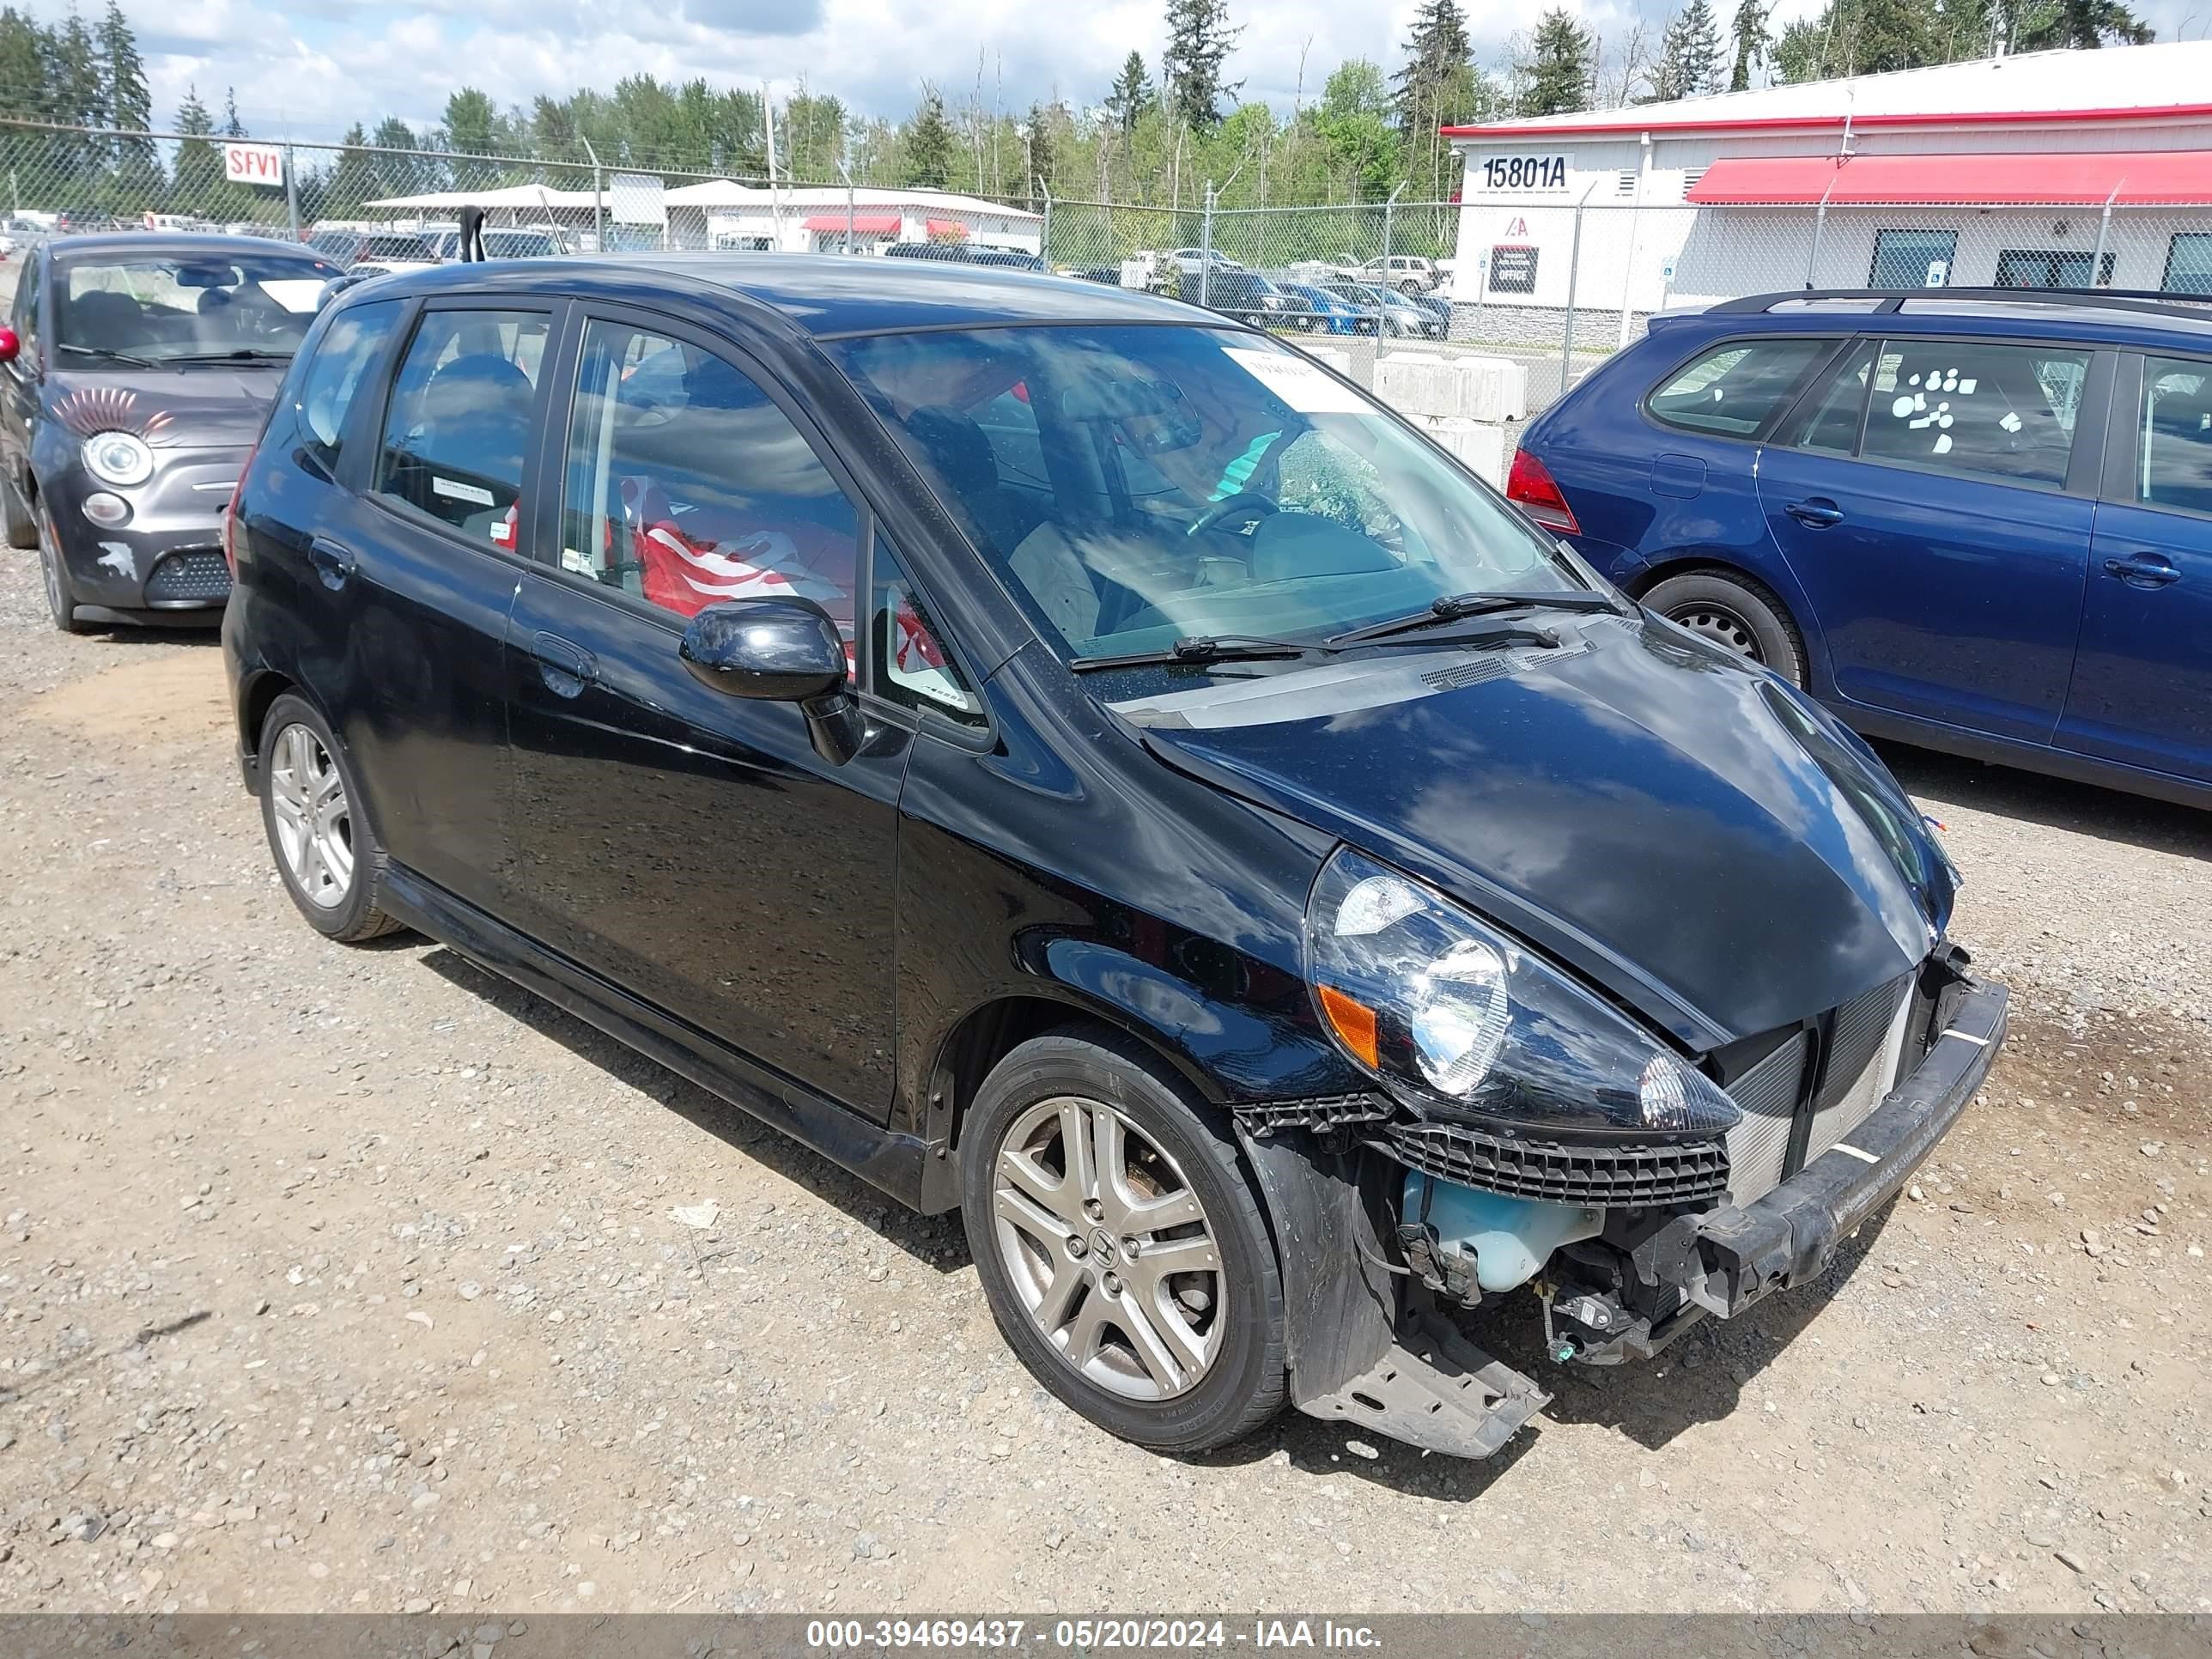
1913, 258
2188, 264
2033, 267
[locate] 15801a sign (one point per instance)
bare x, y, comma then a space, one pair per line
1524, 172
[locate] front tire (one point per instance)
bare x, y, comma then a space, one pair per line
330, 860
22, 528
1121, 1245
1735, 613
61, 597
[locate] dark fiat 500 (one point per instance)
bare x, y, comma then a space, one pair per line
135, 373
1071, 758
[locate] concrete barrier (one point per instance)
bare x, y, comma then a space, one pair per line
1469, 388
1335, 356
1480, 445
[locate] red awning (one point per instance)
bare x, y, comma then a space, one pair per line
948, 228
2086, 177
864, 224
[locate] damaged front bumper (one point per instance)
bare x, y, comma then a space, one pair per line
1370, 1344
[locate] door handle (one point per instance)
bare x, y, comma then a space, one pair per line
565, 666
2143, 570
1819, 513
333, 561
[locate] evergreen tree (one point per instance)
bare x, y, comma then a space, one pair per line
1557, 76
1131, 94
1439, 58
398, 175
471, 122
1752, 41
232, 126
1689, 55
2082, 24
199, 167
351, 181
138, 168
926, 152
1200, 38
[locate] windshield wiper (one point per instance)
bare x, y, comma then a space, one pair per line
1458, 607
1225, 648
235, 354
112, 356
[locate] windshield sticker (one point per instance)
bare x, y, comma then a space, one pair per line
454, 489
297, 294
1302, 385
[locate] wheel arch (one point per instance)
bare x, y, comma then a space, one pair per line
1788, 603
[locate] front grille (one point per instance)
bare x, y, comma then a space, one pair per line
1768, 1096
1266, 1117
1623, 1177
196, 574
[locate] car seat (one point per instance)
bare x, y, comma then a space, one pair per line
475, 429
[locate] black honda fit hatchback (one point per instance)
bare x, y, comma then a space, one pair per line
1070, 758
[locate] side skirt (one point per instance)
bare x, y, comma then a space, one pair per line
903, 1165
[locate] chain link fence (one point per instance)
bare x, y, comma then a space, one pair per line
1554, 287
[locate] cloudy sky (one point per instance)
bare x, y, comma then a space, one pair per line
309, 68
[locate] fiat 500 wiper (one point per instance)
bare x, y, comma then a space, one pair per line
235, 354
1225, 648
112, 356
1458, 607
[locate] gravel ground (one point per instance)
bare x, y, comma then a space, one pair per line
348, 1279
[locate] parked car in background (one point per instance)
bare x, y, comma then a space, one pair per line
965, 253
383, 252
498, 244
1190, 259
1976, 519
1152, 801
1317, 310
1400, 316
134, 374
1237, 292
1405, 272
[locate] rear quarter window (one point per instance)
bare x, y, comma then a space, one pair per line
1737, 388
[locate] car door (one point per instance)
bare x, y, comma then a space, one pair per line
422, 557
2142, 691
688, 845
1943, 552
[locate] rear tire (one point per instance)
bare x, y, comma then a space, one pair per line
332, 865
1738, 614
1074, 1261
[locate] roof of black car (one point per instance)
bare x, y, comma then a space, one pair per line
123, 243
829, 295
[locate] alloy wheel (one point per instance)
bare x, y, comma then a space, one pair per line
1109, 1248
1720, 625
314, 823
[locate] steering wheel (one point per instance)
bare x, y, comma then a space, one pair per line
1245, 504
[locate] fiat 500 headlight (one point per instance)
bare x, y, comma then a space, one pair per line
119, 458
1443, 1008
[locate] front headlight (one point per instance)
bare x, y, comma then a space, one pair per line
119, 458
1440, 1006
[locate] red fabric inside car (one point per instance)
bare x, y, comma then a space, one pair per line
691, 559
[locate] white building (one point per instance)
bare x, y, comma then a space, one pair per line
721, 213
2042, 169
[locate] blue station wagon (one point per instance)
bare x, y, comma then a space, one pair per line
1980, 521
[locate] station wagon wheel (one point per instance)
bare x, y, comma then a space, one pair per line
325, 848
1120, 1244
1735, 612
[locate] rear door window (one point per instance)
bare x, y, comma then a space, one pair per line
1735, 389
2173, 466
1829, 420
459, 420
2004, 412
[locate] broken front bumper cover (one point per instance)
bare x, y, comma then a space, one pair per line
1726, 1259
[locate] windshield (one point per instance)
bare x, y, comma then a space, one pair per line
1140, 484
163, 307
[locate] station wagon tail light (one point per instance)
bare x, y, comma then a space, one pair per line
1530, 487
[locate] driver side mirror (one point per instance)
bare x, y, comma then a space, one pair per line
779, 651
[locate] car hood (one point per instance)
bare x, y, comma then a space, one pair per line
199, 408
1671, 821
